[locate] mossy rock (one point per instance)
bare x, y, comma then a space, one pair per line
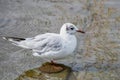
61, 72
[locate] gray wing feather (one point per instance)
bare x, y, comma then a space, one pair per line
48, 43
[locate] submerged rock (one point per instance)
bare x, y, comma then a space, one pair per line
48, 71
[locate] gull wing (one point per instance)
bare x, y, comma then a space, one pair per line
43, 43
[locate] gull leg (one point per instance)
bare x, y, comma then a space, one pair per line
52, 62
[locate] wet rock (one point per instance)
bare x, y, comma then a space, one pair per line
48, 71
52, 67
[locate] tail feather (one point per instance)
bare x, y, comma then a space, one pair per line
16, 41
13, 39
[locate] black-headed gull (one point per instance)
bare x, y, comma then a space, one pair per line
50, 45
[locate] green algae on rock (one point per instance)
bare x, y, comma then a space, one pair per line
62, 73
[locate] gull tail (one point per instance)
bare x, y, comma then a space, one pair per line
16, 41
13, 39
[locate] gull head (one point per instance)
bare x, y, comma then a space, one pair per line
69, 28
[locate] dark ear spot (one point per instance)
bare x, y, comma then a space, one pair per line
67, 27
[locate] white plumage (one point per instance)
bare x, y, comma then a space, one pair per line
50, 45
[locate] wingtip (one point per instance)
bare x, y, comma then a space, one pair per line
7, 38
4, 37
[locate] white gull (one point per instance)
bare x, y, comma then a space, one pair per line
50, 45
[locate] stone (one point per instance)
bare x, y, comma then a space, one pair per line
60, 72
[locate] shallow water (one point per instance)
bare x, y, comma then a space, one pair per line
98, 50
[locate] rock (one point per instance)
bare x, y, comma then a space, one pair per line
52, 67
57, 72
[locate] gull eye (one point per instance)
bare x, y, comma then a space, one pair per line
72, 28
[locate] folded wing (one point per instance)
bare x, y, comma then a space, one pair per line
43, 43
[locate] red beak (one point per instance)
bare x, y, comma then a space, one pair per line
80, 31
